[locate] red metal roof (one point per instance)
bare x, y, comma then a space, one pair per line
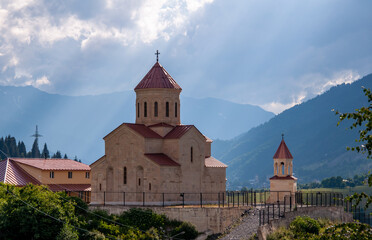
283, 152
13, 174
178, 131
69, 187
157, 77
161, 125
212, 162
161, 159
53, 164
283, 178
139, 128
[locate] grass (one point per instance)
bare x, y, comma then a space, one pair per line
345, 191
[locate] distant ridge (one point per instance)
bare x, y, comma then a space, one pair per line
78, 124
318, 146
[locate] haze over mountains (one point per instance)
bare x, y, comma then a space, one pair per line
311, 133
76, 125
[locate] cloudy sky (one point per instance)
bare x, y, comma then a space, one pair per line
269, 53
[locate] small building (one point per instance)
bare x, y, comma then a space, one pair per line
58, 174
283, 184
157, 159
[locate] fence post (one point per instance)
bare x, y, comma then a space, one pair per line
143, 198
255, 199
183, 199
284, 206
104, 198
238, 198
163, 199
228, 199
278, 209
259, 217
251, 197
218, 199
273, 211
223, 199
233, 199
201, 200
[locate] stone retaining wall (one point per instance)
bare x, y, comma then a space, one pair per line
205, 219
332, 213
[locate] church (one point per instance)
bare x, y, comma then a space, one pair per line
156, 159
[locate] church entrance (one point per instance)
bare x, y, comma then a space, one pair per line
139, 183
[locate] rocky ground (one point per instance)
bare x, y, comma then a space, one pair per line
242, 229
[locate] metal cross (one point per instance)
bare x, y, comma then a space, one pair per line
282, 136
157, 55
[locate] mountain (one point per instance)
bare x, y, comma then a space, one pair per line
311, 133
76, 125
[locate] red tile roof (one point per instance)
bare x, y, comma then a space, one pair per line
178, 131
212, 162
283, 152
69, 187
161, 159
282, 177
139, 128
157, 77
53, 164
11, 173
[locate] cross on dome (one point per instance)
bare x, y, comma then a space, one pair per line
157, 55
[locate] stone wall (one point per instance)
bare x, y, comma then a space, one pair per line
332, 213
205, 219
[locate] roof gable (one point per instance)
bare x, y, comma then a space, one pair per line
283, 152
141, 129
212, 162
14, 174
53, 164
157, 77
178, 131
161, 159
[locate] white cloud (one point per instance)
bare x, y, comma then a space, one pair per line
42, 81
277, 107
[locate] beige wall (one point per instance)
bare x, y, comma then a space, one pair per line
60, 176
150, 96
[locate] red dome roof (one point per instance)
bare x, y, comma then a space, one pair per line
157, 77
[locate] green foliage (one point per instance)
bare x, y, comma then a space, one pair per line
67, 233
144, 219
307, 228
45, 152
333, 182
362, 118
303, 226
185, 231
22, 213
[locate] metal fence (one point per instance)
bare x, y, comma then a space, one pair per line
221, 199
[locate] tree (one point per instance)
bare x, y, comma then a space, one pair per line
65, 156
35, 152
57, 155
23, 213
45, 152
22, 149
363, 122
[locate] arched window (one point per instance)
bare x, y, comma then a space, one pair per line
145, 109
138, 110
175, 109
125, 175
156, 109
139, 181
100, 187
282, 167
191, 154
167, 109
149, 186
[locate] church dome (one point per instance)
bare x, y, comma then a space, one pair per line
157, 77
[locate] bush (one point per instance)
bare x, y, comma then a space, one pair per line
348, 231
304, 225
144, 219
189, 230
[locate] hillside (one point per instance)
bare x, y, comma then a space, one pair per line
311, 133
77, 125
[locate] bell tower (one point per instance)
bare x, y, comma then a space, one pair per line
158, 98
283, 184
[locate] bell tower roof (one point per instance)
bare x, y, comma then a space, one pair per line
157, 77
283, 151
